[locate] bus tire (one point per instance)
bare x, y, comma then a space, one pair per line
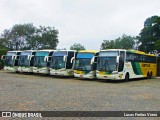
126, 77
149, 75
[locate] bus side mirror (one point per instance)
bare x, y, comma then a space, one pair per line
45, 58
3, 57
65, 58
93, 59
117, 59
13, 57
16, 57
72, 59
29, 57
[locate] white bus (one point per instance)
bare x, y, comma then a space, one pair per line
61, 63
41, 64
119, 64
26, 61
11, 60
85, 64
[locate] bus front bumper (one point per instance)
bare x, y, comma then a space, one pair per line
62, 72
109, 77
85, 74
25, 69
12, 69
88, 76
41, 70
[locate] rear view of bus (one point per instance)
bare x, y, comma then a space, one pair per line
41, 64
85, 64
11, 60
62, 63
26, 61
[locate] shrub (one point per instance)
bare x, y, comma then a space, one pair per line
2, 52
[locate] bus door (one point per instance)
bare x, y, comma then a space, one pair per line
69, 62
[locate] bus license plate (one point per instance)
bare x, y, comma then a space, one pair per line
81, 75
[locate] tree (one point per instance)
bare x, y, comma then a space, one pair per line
77, 46
44, 38
2, 52
150, 35
5, 40
27, 36
2, 41
15, 38
124, 42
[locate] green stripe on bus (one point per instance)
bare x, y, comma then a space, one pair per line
136, 68
139, 68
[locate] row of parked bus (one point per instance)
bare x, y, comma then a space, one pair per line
114, 64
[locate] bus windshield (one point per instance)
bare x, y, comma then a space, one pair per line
8, 61
39, 61
83, 64
107, 64
23, 61
57, 62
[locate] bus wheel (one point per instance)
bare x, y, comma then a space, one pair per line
126, 77
149, 75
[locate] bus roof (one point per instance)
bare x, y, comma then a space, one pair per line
113, 50
141, 52
67, 50
130, 50
30, 51
136, 51
15, 51
89, 51
47, 50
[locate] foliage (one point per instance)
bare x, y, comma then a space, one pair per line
27, 36
149, 36
2, 46
61, 49
2, 52
124, 42
77, 46
44, 38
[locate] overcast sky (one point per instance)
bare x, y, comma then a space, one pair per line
87, 22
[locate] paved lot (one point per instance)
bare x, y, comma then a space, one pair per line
45, 93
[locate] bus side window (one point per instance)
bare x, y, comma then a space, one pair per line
121, 61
